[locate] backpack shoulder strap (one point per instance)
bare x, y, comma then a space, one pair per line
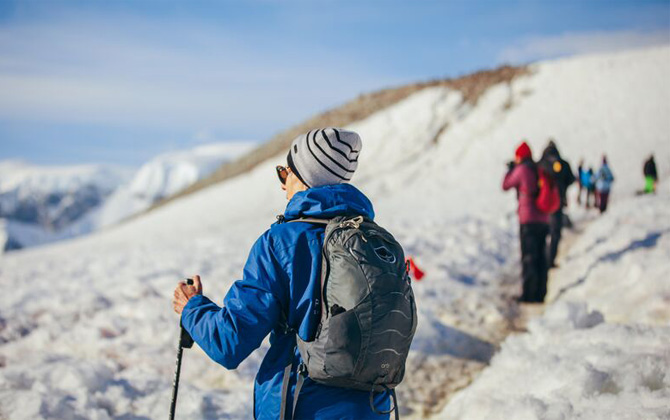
301, 368
311, 220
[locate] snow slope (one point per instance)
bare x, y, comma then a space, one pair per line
601, 349
616, 104
87, 330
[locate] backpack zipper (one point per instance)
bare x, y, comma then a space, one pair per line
354, 223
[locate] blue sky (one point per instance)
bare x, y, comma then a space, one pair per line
121, 81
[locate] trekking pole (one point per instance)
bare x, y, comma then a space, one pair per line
185, 342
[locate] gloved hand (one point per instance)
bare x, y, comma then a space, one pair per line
510, 165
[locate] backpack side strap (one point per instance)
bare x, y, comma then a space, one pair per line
393, 398
301, 373
286, 378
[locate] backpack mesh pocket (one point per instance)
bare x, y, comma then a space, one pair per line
343, 347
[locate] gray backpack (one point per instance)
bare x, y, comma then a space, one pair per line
368, 312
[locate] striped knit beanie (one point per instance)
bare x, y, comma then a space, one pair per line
325, 156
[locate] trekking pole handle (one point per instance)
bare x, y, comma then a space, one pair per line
185, 340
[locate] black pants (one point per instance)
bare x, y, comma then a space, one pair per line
603, 198
534, 261
555, 227
590, 193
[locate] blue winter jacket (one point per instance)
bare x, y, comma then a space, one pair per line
281, 280
587, 179
604, 179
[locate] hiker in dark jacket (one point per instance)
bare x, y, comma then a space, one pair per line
522, 175
650, 175
562, 174
580, 174
281, 282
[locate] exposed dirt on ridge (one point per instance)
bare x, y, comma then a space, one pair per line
471, 86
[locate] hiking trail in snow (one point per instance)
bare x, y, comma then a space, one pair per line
87, 329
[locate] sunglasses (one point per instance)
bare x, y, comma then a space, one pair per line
282, 173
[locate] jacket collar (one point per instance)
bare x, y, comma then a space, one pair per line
329, 201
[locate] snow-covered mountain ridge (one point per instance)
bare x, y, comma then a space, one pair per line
46, 199
42, 204
24, 179
96, 310
163, 176
471, 86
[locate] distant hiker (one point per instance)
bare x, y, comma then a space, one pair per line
562, 173
588, 183
603, 182
580, 174
366, 334
523, 176
650, 175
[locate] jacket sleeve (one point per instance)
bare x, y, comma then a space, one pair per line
251, 309
512, 178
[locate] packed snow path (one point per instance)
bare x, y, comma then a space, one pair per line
602, 349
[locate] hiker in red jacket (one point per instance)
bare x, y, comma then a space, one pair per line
522, 175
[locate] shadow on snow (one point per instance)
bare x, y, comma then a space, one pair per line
648, 241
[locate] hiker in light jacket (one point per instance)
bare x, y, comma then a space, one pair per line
604, 180
522, 175
281, 281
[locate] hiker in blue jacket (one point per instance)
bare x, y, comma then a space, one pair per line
281, 281
588, 183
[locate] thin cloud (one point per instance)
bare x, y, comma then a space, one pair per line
130, 73
574, 43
